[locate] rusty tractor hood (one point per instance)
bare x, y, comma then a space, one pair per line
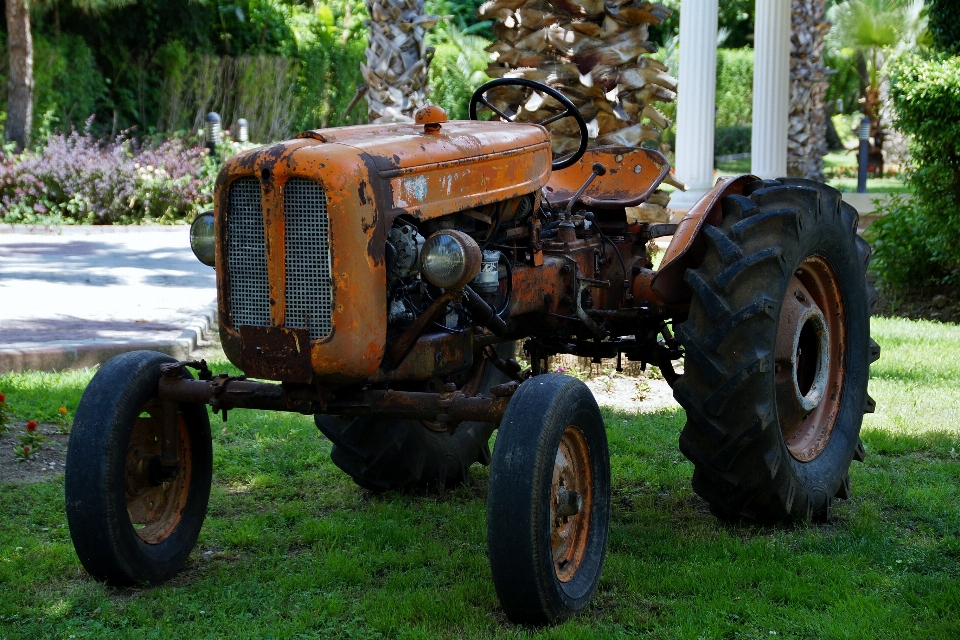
368, 175
464, 164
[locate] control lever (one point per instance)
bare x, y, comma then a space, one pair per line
598, 170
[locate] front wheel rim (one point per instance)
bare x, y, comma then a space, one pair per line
154, 505
571, 503
810, 358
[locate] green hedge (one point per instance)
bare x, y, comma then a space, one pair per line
731, 140
734, 87
945, 25
916, 242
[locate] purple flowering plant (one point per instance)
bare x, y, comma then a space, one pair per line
77, 179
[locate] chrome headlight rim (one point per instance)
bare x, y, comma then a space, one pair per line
450, 259
203, 239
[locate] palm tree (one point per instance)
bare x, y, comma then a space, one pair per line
597, 54
872, 29
397, 60
807, 133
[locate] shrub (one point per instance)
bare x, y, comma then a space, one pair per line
915, 243
945, 25
73, 179
730, 140
328, 79
457, 69
68, 86
734, 87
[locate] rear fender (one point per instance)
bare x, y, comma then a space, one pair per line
687, 247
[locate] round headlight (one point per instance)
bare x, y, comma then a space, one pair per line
450, 259
203, 240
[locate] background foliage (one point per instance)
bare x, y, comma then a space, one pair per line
945, 25
160, 66
915, 244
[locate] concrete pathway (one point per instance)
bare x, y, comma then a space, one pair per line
76, 296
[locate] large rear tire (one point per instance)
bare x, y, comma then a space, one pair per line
386, 455
777, 353
130, 525
548, 506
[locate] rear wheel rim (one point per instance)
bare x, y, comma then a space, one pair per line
155, 507
810, 365
572, 484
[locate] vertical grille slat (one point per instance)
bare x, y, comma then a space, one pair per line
247, 256
309, 292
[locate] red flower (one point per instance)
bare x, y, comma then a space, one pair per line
26, 448
3, 398
31, 426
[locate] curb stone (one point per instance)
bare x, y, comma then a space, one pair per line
78, 355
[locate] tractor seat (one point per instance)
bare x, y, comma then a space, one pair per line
632, 175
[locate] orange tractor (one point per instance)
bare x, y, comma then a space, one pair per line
382, 276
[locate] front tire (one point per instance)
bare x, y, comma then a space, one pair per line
127, 525
548, 506
777, 353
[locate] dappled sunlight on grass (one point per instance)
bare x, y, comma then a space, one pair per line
915, 381
292, 548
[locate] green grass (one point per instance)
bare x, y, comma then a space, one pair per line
830, 161
292, 549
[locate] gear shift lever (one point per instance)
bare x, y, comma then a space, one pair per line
598, 170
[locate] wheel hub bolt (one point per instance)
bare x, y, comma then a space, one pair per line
569, 503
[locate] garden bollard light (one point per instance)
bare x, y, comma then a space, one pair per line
243, 133
213, 135
864, 155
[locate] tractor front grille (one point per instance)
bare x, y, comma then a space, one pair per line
247, 256
309, 289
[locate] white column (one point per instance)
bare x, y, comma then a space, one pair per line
696, 100
771, 88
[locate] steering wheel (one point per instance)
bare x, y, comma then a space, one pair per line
569, 111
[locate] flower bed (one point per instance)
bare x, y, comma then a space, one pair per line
76, 179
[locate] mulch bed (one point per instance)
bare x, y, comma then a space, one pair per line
939, 305
48, 462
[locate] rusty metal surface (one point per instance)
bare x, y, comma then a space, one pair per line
371, 174
686, 247
404, 343
538, 289
431, 117
571, 503
155, 502
809, 366
449, 408
632, 175
276, 353
643, 293
482, 313
231, 393
433, 355
466, 164
356, 209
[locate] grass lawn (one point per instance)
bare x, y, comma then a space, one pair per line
292, 549
831, 160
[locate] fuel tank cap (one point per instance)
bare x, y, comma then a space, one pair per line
430, 117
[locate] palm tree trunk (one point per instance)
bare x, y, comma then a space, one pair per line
397, 60
807, 134
20, 81
597, 54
